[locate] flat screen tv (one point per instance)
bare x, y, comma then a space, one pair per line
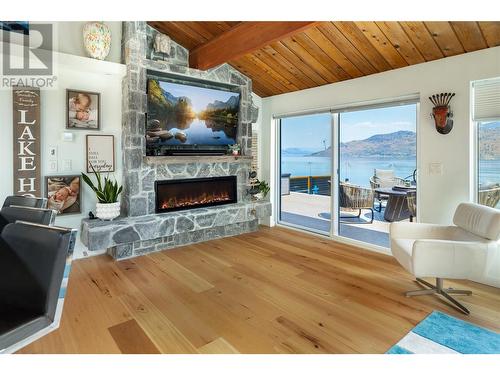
190, 117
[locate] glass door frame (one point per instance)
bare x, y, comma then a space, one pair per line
335, 169
278, 178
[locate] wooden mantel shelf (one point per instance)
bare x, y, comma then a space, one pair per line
197, 159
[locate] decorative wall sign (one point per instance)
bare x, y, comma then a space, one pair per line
63, 194
26, 116
83, 110
101, 153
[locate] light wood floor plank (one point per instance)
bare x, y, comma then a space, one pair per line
272, 291
218, 346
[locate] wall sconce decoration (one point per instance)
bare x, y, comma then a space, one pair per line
441, 112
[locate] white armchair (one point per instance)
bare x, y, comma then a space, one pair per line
451, 252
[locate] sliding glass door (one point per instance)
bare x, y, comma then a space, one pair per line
349, 173
377, 168
305, 163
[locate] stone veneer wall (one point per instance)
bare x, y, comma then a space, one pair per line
140, 171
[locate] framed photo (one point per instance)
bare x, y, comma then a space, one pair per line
63, 194
101, 153
83, 110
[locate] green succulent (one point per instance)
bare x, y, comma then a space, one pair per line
107, 191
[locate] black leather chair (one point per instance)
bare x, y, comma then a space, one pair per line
25, 201
10, 214
32, 263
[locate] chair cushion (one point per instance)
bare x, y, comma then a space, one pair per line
478, 219
402, 250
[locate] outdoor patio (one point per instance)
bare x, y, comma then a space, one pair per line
313, 211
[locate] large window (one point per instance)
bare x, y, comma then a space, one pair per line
489, 163
486, 114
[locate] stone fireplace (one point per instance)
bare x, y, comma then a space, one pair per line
148, 223
176, 195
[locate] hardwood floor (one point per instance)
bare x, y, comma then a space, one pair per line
273, 291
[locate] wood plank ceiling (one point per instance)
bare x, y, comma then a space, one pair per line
329, 52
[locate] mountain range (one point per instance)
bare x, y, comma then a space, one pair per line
400, 144
231, 103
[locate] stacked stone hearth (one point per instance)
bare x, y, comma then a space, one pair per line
141, 230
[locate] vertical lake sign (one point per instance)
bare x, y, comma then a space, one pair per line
26, 115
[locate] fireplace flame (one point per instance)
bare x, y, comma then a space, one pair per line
205, 198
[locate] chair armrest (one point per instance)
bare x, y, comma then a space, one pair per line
39, 253
448, 259
419, 231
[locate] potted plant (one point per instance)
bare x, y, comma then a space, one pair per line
263, 188
260, 189
107, 193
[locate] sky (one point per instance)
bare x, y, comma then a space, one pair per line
199, 96
310, 131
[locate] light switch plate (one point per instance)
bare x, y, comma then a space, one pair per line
67, 137
66, 164
52, 152
436, 168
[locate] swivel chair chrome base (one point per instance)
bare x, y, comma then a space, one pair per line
438, 289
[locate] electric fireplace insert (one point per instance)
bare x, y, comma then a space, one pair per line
175, 195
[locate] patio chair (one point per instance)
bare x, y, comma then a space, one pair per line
490, 196
383, 178
356, 198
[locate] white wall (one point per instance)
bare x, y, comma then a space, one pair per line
438, 194
69, 39
75, 73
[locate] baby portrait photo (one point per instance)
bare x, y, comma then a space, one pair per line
83, 110
63, 193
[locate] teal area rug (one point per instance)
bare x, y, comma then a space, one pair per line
439, 333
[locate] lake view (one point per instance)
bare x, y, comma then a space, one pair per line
359, 170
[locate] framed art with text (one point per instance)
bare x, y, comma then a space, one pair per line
101, 153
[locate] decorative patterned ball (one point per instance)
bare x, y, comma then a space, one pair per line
97, 40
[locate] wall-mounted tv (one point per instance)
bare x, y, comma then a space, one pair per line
185, 117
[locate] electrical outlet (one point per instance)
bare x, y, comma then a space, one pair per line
66, 164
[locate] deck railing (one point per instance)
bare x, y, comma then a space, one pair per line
310, 184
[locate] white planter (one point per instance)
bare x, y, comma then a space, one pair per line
97, 40
107, 211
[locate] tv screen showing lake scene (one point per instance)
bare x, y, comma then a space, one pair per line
184, 115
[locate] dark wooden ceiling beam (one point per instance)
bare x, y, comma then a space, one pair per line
241, 39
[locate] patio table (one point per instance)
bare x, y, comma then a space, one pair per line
397, 206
